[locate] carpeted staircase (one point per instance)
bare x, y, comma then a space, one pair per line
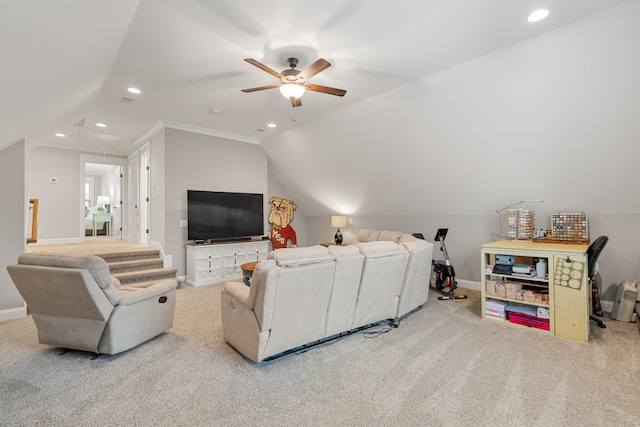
139, 268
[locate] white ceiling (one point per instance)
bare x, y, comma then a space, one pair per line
71, 60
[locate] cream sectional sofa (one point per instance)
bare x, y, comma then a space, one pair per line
300, 296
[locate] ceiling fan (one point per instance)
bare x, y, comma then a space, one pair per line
293, 83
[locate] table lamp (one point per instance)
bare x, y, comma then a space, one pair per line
337, 222
101, 202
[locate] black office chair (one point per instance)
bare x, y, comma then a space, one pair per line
592, 257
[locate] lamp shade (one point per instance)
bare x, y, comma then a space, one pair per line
103, 200
338, 221
291, 90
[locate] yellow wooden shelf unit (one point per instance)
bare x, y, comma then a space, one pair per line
566, 282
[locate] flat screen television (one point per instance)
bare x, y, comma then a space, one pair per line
223, 216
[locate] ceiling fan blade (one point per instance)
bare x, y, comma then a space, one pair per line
313, 69
296, 102
255, 89
325, 89
263, 67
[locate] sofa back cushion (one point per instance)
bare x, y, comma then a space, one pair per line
381, 282
391, 236
301, 256
415, 287
344, 292
68, 307
295, 301
366, 235
94, 265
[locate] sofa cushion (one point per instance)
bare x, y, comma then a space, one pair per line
392, 236
366, 235
380, 248
407, 238
295, 257
344, 250
291, 253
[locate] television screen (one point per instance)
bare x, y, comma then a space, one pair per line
219, 216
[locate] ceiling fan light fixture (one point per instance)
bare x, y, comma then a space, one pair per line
291, 90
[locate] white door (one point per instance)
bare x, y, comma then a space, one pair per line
144, 210
116, 204
134, 200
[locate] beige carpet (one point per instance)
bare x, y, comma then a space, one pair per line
443, 366
91, 245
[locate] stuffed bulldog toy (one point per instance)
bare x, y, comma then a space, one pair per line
280, 217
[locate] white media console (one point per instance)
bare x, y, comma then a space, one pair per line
220, 262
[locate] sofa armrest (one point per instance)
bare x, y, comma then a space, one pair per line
239, 291
130, 296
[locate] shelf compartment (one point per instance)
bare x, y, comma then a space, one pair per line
526, 278
531, 321
515, 301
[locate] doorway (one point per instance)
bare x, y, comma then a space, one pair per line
102, 197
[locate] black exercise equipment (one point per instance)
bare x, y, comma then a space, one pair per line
592, 257
445, 275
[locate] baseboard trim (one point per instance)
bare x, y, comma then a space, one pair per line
469, 284
166, 259
13, 313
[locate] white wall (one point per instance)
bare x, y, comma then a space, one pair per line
552, 118
13, 166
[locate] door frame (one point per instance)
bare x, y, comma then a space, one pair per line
112, 161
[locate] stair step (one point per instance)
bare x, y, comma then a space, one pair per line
129, 256
156, 274
135, 265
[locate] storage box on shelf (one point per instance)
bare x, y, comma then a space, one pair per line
557, 302
220, 262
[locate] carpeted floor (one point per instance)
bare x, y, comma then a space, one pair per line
91, 245
443, 366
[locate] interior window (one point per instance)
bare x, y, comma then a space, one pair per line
88, 191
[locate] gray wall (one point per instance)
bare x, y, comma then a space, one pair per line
202, 162
59, 204
552, 118
299, 222
13, 225
619, 261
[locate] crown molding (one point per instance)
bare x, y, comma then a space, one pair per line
210, 132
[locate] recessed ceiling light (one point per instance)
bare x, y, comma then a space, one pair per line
61, 135
538, 15
134, 90
271, 125
101, 125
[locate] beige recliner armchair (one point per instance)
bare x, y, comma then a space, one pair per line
77, 304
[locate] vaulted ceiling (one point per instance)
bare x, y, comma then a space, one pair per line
67, 64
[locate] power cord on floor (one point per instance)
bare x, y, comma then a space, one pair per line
375, 334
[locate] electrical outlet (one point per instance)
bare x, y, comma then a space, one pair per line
39, 230
184, 223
